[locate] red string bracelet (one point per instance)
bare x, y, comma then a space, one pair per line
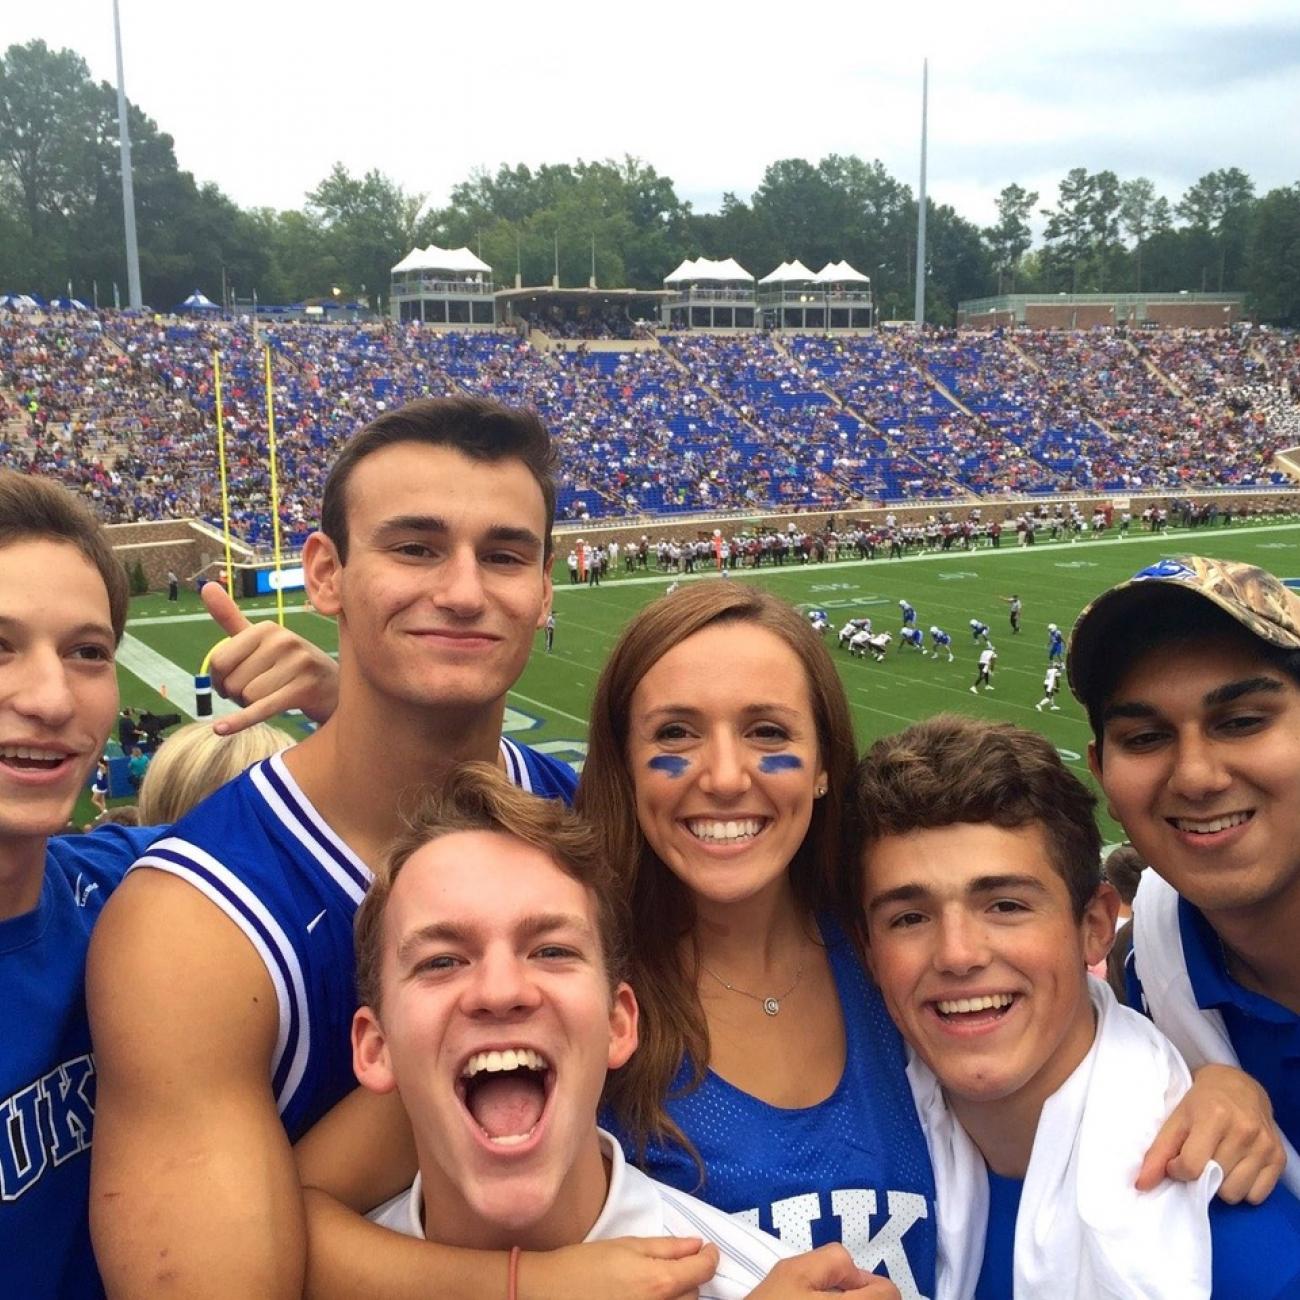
512, 1275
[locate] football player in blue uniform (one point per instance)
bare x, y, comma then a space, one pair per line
941, 641
908, 613
979, 631
1055, 646
914, 637
234, 934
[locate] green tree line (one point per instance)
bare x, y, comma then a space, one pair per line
61, 221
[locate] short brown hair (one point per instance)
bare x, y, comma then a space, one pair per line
478, 797
1123, 868
38, 509
672, 1025
952, 769
474, 426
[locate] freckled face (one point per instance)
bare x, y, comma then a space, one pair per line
724, 755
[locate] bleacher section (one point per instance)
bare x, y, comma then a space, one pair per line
123, 409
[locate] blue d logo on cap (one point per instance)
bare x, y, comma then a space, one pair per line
1164, 569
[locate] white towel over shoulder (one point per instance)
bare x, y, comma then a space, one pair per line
1083, 1232
1200, 1035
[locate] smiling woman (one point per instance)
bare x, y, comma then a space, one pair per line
769, 1078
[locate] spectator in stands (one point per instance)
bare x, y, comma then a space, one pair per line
194, 761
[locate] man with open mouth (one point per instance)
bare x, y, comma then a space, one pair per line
489, 953
1037, 1091
1190, 673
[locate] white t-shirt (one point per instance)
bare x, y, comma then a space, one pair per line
638, 1206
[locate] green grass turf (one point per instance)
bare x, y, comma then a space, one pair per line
1054, 580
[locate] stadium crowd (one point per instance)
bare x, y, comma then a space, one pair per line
122, 408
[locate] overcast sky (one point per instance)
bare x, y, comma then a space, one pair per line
263, 96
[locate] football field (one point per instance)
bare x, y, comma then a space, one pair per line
166, 643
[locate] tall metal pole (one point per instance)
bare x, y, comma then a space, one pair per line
128, 188
920, 207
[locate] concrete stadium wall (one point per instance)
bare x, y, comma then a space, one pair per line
184, 546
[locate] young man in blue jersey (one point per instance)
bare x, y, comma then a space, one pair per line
489, 955
235, 932
63, 607
1195, 712
63, 603
984, 906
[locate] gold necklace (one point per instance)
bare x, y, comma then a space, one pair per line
771, 1005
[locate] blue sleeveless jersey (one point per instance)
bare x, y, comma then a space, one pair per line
47, 1072
261, 853
854, 1169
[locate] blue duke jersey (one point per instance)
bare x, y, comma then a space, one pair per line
261, 853
47, 1072
1254, 1249
854, 1168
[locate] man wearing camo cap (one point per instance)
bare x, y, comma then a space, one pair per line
1195, 712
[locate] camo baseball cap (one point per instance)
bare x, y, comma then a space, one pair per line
1249, 595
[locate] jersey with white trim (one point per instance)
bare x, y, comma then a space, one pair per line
913, 636
854, 1168
638, 1206
47, 1072
941, 638
261, 852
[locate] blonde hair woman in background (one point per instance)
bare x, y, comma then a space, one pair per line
194, 761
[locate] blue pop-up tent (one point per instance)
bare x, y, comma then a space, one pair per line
198, 301
68, 304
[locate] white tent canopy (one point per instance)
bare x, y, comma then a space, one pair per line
728, 271
789, 273
840, 273
458, 260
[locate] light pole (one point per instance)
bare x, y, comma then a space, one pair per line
128, 187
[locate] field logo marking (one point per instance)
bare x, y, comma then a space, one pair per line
953, 577
515, 720
572, 752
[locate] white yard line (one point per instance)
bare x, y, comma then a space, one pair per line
156, 670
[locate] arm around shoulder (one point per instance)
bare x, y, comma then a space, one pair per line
193, 1185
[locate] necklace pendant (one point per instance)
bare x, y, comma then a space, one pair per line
771, 1006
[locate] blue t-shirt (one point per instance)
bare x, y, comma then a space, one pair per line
1255, 1249
854, 1168
261, 852
1264, 1034
47, 1072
